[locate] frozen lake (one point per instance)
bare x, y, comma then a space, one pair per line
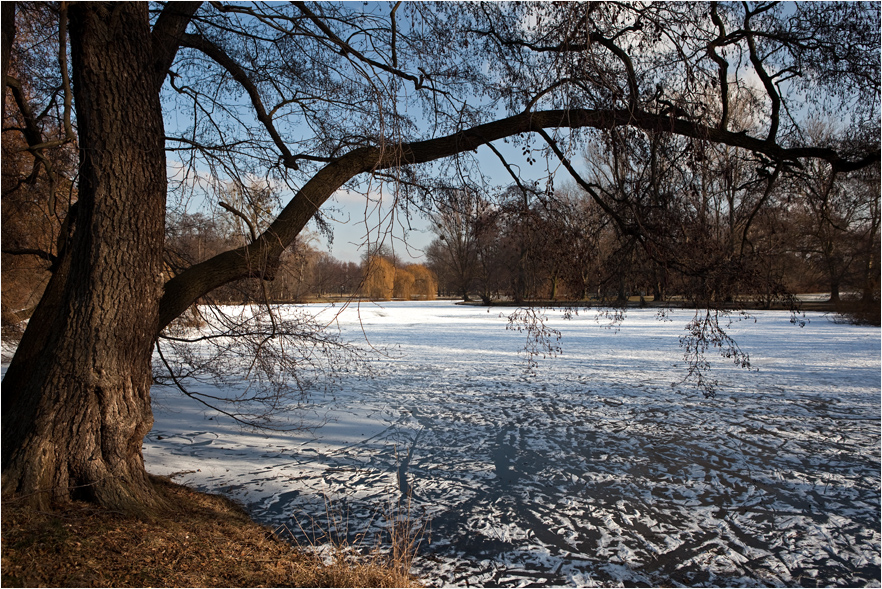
593, 470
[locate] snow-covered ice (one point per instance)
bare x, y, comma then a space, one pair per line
591, 471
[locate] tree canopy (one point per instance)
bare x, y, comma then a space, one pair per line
174, 99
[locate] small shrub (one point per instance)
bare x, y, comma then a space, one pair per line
861, 311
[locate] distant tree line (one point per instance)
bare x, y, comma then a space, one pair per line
304, 273
765, 236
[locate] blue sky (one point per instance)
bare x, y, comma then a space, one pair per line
354, 218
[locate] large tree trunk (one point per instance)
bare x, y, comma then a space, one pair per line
76, 398
834, 289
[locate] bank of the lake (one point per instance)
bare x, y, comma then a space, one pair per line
203, 540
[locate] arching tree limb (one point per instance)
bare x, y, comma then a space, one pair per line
260, 257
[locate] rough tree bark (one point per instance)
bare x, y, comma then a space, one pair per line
76, 402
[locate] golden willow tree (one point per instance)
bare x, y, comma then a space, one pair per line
379, 278
319, 96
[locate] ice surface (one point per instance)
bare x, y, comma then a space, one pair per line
593, 471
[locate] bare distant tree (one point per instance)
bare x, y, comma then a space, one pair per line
454, 253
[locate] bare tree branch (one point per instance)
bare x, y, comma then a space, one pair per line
241, 76
167, 34
260, 257
31, 252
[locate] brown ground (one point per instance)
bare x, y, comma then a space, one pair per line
204, 541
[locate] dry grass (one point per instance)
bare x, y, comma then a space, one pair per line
395, 546
203, 541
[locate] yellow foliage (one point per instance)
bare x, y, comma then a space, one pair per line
404, 283
425, 286
379, 281
383, 281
